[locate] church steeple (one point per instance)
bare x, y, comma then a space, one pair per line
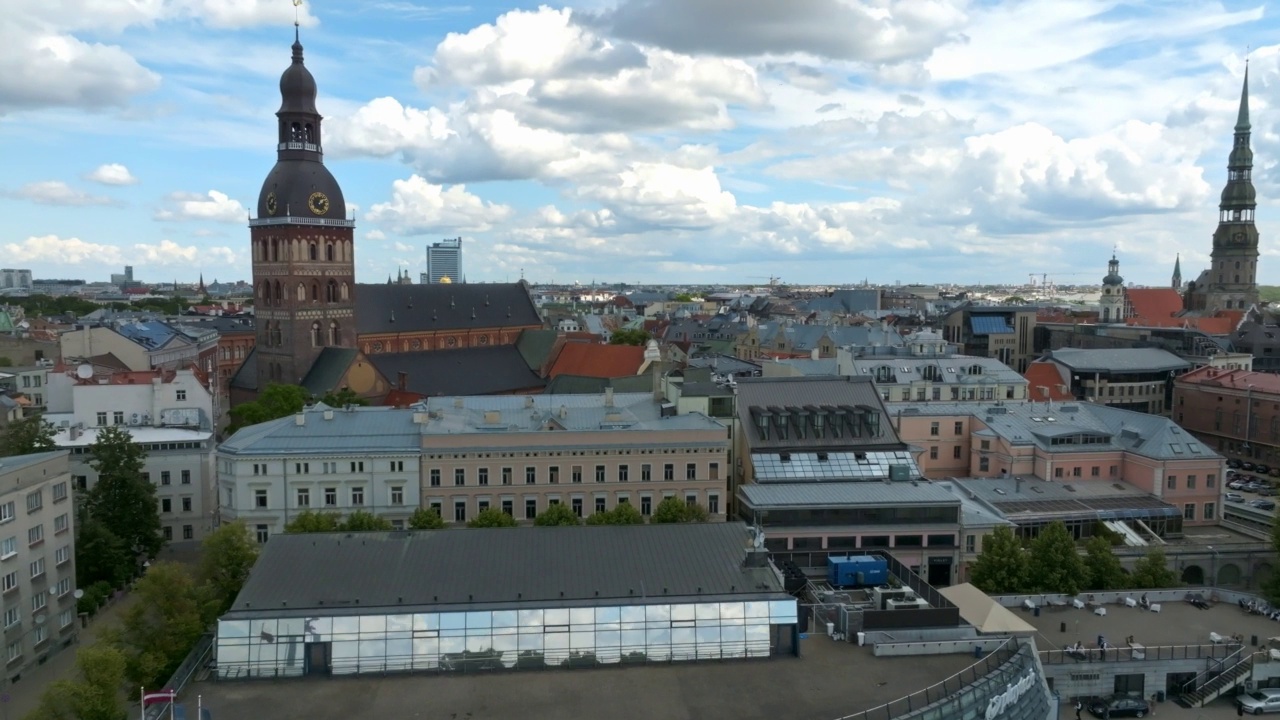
1177, 272
1111, 304
1232, 281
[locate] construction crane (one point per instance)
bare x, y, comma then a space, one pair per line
1047, 284
774, 280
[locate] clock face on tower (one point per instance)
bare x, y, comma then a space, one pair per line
1238, 237
271, 203
318, 203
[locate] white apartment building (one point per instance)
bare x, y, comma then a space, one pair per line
13, 278
37, 559
169, 412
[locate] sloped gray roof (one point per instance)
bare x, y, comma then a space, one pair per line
952, 370
246, 376
457, 306
532, 413
817, 391
1119, 360
327, 370
17, 462
846, 494
371, 429
354, 573
466, 371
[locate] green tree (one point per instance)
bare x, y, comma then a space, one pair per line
675, 510
6, 361
1015, 300
683, 297
1104, 569
491, 518
122, 500
1055, 565
342, 398
621, 514
309, 521
1001, 567
25, 436
94, 695
628, 337
425, 519
157, 631
1151, 571
557, 514
227, 554
276, 401
364, 520
101, 556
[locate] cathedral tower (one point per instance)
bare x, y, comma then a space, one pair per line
303, 251
1232, 277
1111, 304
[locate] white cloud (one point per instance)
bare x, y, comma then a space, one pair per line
168, 253
375, 235
55, 249
56, 192
112, 174
418, 207
45, 68
212, 206
665, 196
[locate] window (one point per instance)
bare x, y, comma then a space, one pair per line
483, 476
599, 473
166, 505
182, 395
435, 507
1191, 482
984, 464
39, 601
397, 466
262, 533
117, 418
691, 471
65, 618
459, 476
63, 587
600, 505
186, 477
186, 504
1209, 510
12, 617
164, 477
646, 472
553, 474
715, 471
357, 496
397, 495
1210, 480
35, 501
35, 535
9, 581
646, 505
577, 473
1189, 511
302, 468
304, 497
506, 476
357, 466
933, 452
167, 532
435, 477
260, 498
1115, 470
6, 512
713, 503
955, 452
61, 523
934, 429
15, 650
530, 475
530, 509
986, 445
459, 510
331, 497
62, 555
506, 507
1172, 482
668, 472
1077, 471
8, 548
623, 472
41, 634
102, 419
36, 567
60, 491
576, 505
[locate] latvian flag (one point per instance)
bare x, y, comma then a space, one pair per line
159, 696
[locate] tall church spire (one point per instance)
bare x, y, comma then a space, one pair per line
1177, 272
1242, 118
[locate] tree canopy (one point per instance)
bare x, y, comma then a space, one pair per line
621, 514
425, 519
1152, 571
1103, 567
627, 336
365, 520
276, 401
342, 398
227, 554
1001, 567
157, 631
1054, 565
101, 556
93, 695
675, 510
491, 518
121, 499
28, 435
557, 514
309, 521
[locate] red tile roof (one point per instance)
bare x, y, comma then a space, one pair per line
598, 361
1045, 375
1154, 305
1236, 379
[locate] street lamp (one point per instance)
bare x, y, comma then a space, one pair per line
1213, 568
1248, 422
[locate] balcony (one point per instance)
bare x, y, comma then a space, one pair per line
299, 220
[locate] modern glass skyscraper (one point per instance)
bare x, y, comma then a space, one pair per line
444, 261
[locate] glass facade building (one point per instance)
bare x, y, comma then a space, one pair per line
506, 637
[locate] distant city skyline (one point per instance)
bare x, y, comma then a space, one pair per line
946, 144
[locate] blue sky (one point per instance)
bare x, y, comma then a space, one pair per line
684, 141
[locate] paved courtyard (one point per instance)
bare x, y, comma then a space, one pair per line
1178, 623
832, 679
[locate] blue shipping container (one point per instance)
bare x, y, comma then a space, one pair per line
857, 571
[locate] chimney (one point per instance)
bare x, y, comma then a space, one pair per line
300, 419
1017, 484
608, 397
457, 403
528, 401
564, 412
328, 414
402, 381
813, 354
420, 418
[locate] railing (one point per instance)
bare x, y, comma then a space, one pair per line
300, 220
195, 659
1125, 654
940, 691
1215, 670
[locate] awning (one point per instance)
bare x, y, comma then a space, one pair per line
988, 616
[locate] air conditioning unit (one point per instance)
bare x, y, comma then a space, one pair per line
135, 419
65, 424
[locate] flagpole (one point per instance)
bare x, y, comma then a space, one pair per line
142, 700
199, 707
173, 701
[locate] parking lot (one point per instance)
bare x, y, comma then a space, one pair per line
1253, 487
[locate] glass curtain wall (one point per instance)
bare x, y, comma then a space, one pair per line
496, 639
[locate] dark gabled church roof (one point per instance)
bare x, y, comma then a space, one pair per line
458, 306
468, 371
327, 370
246, 376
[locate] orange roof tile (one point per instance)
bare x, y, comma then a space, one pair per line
1237, 379
1154, 304
1045, 375
598, 361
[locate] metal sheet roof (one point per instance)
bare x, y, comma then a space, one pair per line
849, 494
800, 392
1119, 360
543, 566
459, 306
989, 325
832, 466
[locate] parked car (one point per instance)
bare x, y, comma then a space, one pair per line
1233, 463
1234, 497
1264, 469
1237, 484
1261, 701
1247, 466
1267, 491
1120, 706
1252, 487
1262, 504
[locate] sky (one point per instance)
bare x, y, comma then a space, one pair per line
646, 141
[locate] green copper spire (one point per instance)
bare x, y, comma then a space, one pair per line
1242, 120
